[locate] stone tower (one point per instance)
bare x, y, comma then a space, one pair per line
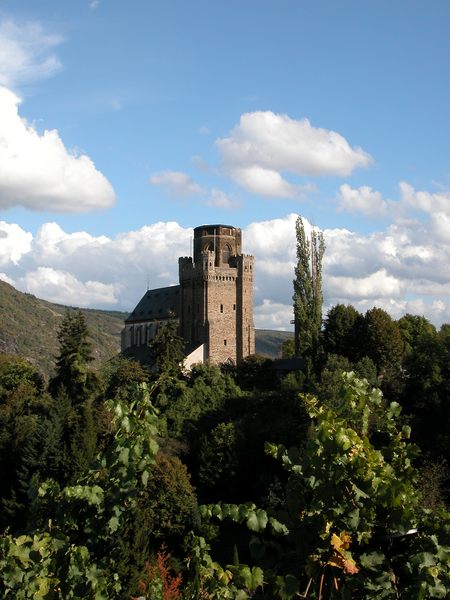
217, 295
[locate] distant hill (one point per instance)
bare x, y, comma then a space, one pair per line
28, 326
268, 342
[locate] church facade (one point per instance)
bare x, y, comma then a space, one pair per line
213, 303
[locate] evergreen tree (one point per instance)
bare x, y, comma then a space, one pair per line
26, 437
308, 294
167, 349
75, 354
73, 386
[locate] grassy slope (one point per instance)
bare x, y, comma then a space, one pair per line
28, 326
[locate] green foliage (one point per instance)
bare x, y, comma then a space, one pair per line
255, 372
17, 373
413, 328
73, 387
308, 297
167, 350
383, 342
351, 499
121, 374
72, 551
75, 354
331, 378
217, 460
288, 348
329, 389
27, 436
340, 331
165, 511
427, 375
185, 402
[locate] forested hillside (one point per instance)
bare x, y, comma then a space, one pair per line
28, 327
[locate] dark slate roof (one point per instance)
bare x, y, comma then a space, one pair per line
161, 303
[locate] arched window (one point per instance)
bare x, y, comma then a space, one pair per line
226, 253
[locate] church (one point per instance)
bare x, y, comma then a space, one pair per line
212, 305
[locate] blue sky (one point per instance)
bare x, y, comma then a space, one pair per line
138, 121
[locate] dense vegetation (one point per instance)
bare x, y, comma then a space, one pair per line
230, 482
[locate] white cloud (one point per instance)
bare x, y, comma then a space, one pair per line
440, 226
424, 201
93, 4
363, 200
53, 245
402, 269
369, 202
375, 285
176, 183
14, 243
39, 173
26, 53
273, 315
64, 288
264, 145
264, 182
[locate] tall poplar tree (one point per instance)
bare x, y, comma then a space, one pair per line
308, 296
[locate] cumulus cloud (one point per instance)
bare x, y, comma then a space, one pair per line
26, 53
64, 288
424, 202
363, 200
39, 173
369, 202
176, 183
14, 243
105, 270
264, 145
262, 181
402, 269
375, 285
